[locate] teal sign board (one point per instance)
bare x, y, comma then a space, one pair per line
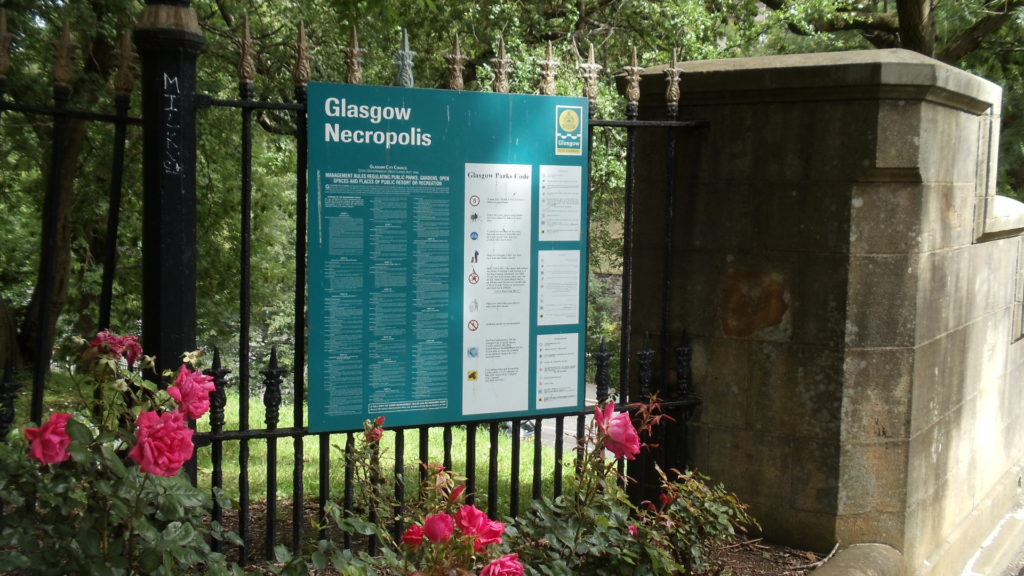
447, 255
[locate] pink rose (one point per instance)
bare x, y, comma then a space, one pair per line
126, 347
373, 431
163, 443
619, 434
507, 565
438, 527
192, 391
413, 536
633, 530
471, 519
491, 534
373, 435
132, 351
50, 441
475, 524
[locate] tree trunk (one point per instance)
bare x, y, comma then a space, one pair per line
917, 26
10, 355
30, 326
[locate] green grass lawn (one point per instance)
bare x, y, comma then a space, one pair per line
64, 394
259, 466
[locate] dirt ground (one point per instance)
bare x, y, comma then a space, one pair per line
759, 558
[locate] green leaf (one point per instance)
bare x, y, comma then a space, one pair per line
281, 553
79, 432
179, 534
319, 560
113, 461
150, 559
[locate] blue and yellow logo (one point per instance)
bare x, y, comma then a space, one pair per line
569, 130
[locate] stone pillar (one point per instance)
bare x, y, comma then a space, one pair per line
168, 40
847, 273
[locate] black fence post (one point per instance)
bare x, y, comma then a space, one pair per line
168, 39
63, 74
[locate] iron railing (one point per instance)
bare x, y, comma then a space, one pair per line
638, 382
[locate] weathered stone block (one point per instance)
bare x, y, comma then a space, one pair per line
875, 527
843, 159
899, 134
940, 460
949, 144
721, 221
799, 391
695, 278
986, 352
873, 477
947, 217
939, 380
992, 277
881, 296
876, 394
723, 378
813, 488
819, 304
795, 216
752, 464
812, 530
755, 298
942, 296
884, 217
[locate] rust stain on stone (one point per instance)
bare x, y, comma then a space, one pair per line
751, 301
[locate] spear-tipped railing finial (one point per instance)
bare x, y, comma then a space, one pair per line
632, 73
301, 72
124, 78
456, 65
672, 90
591, 70
547, 75
63, 72
247, 62
405, 63
501, 68
354, 59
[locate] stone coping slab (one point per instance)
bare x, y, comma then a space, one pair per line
891, 73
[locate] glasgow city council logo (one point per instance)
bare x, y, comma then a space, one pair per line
568, 130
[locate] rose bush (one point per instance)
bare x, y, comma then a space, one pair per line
594, 528
72, 500
443, 535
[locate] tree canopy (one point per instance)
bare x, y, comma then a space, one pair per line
983, 36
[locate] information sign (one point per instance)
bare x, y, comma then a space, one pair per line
447, 255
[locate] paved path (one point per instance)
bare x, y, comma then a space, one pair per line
1002, 554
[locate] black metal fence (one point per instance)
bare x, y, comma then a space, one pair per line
168, 59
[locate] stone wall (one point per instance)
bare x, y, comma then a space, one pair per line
853, 287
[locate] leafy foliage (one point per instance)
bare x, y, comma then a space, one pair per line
594, 528
98, 513
978, 34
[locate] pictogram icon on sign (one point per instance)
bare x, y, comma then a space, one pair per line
473, 325
474, 200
